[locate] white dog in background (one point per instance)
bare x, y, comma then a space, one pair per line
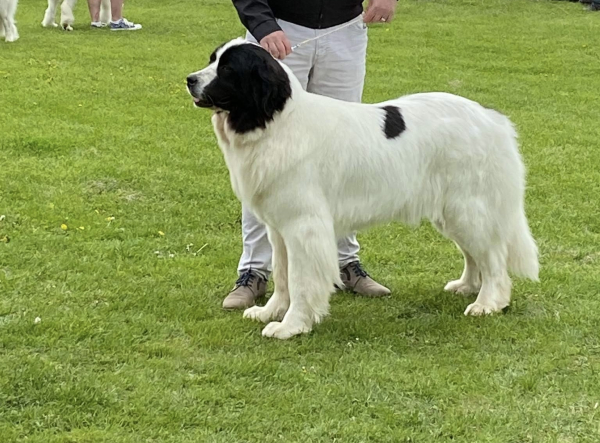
8, 28
66, 13
314, 169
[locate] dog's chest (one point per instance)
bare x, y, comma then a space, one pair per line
240, 158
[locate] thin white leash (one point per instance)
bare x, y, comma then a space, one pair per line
356, 20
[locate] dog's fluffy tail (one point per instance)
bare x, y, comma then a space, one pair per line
522, 251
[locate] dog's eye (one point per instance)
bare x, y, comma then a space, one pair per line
224, 69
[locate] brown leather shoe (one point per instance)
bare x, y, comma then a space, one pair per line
356, 279
247, 289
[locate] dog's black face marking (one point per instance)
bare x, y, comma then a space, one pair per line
249, 84
393, 124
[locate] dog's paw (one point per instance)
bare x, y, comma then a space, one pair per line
67, 27
282, 331
476, 309
12, 38
260, 313
273, 310
461, 287
46, 24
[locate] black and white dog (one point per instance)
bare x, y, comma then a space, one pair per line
313, 169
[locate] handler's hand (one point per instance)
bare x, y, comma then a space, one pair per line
380, 11
277, 44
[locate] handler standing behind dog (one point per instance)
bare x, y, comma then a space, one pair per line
333, 66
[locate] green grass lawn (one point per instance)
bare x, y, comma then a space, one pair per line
98, 134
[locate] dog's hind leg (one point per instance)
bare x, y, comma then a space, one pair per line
312, 271
5, 27
12, 34
67, 16
496, 285
9, 28
279, 302
470, 280
474, 230
49, 15
105, 15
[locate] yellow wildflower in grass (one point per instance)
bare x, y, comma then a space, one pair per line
161, 233
64, 227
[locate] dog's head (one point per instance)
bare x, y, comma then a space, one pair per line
244, 80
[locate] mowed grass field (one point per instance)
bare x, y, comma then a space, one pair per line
119, 237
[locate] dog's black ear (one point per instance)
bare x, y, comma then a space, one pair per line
272, 86
263, 87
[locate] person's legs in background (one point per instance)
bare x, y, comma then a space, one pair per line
594, 5
254, 266
94, 7
99, 13
118, 22
116, 10
103, 11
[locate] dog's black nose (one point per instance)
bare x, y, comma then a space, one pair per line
192, 80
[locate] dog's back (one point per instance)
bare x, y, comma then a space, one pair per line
427, 145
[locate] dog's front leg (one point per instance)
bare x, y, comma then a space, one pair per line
11, 33
279, 302
312, 271
67, 16
49, 15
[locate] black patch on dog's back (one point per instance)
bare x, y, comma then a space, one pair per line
393, 124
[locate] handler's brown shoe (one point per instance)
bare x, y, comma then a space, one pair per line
247, 289
356, 279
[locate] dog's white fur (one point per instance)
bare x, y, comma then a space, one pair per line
8, 27
67, 17
323, 168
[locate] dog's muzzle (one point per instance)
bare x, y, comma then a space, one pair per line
195, 90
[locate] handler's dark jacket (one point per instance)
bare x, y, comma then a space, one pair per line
258, 16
